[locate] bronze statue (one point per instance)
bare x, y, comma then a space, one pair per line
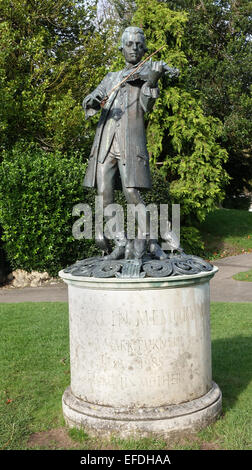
119, 156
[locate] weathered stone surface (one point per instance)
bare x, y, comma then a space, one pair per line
166, 421
140, 354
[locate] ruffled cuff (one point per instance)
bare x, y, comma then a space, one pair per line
150, 92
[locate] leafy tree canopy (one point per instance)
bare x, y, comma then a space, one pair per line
218, 47
182, 140
53, 52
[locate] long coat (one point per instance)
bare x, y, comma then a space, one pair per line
125, 108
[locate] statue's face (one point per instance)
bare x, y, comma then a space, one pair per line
133, 48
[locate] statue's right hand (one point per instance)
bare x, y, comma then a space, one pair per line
91, 104
94, 99
97, 99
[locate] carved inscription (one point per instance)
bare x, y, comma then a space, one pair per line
152, 317
168, 379
135, 354
149, 318
135, 363
141, 346
136, 347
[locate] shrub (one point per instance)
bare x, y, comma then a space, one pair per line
191, 241
4, 266
37, 193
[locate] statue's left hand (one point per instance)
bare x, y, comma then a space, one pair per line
155, 72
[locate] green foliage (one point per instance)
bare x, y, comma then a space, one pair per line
180, 136
38, 191
217, 44
4, 266
51, 56
191, 241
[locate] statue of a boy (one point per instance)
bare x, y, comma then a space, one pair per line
119, 156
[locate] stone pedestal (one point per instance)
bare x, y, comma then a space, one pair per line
140, 354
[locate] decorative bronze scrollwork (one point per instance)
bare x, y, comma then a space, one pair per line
156, 268
177, 265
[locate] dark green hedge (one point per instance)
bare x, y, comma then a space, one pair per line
37, 193
4, 265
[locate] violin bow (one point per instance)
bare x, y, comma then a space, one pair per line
105, 99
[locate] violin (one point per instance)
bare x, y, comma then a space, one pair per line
141, 73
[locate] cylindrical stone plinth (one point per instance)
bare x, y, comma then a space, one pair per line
140, 352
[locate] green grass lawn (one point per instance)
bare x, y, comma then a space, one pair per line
34, 364
227, 232
243, 276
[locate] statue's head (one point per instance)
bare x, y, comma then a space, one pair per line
133, 44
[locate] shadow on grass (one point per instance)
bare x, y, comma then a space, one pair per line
227, 230
225, 222
232, 366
